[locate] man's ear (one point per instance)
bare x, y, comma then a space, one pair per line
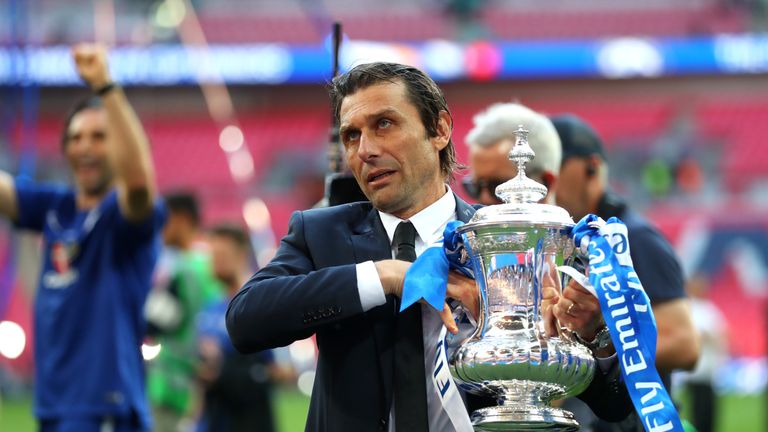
444, 130
549, 180
593, 164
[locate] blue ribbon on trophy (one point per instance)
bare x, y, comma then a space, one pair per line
627, 313
427, 277
612, 279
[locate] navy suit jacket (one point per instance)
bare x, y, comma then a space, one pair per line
310, 288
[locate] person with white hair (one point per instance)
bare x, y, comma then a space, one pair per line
490, 141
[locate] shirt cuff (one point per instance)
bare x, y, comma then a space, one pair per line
605, 363
369, 286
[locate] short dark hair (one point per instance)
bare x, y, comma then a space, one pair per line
234, 232
423, 93
577, 137
92, 102
184, 203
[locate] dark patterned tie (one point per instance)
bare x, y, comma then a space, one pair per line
410, 382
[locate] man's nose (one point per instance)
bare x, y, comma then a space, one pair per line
84, 143
369, 147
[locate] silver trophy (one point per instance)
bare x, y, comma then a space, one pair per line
514, 248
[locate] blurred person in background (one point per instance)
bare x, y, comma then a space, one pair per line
183, 286
582, 188
334, 275
238, 388
101, 239
713, 328
491, 139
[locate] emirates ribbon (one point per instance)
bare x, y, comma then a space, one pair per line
612, 279
627, 313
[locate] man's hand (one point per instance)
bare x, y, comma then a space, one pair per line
461, 288
128, 146
550, 295
392, 275
575, 309
579, 311
8, 206
91, 63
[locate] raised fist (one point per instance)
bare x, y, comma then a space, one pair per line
91, 63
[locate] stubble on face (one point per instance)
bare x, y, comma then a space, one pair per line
387, 148
86, 152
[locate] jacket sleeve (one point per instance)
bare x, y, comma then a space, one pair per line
607, 395
290, 299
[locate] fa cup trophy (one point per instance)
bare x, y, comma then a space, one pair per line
514, 249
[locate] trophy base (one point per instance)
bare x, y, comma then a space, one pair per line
523, 418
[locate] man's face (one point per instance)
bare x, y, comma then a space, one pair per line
226, 259
396, 165
176, 228
86, 151
490, 166
572, 187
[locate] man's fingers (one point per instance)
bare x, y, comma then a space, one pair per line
448, 320
567, 308
576, 317
585, 300
548, 304
549, 293
575, 286
83, 53
551, 277
464, 290
91, 63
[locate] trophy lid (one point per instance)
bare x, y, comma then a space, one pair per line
521, 196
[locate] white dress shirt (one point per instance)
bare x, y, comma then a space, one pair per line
429, 224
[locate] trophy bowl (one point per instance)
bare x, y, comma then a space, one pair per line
514, 249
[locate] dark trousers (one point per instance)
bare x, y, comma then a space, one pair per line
704, 408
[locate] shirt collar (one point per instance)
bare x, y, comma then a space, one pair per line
428, 222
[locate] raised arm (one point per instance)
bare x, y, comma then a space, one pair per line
128, 145
8, 207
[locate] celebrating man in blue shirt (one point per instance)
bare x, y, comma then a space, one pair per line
100, 246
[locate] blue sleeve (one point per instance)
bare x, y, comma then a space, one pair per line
33, 200
266, 356
656, 264
142, 230
206, 321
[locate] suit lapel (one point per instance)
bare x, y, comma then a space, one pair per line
370, 242
464, 211
369, 238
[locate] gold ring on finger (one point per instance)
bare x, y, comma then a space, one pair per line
570, 308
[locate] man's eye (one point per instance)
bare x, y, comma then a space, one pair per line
384, 123
351, 136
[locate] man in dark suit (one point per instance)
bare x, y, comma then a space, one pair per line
334, 275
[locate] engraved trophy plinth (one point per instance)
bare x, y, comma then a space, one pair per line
513, 247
